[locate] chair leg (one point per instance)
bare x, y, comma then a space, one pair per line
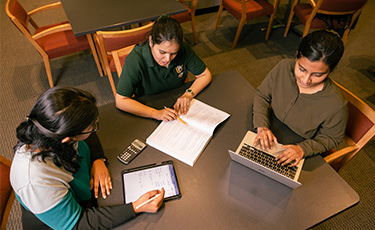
289, 22
273, 15
240, 26
218, 15
349, 26
345, 35
101, 59
111, 82
291, 14
270, 24
306, 29
308, 22
95, 54
48, 70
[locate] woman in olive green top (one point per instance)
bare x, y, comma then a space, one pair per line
161, 64
302, 96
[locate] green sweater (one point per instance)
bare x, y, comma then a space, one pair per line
320, 117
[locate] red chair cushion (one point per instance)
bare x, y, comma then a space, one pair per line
342, 5
61, 43
254, 9
183, 17
303, 12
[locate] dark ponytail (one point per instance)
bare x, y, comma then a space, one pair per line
58, 113
322, 45
166, 28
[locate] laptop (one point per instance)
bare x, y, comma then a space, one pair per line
263, 161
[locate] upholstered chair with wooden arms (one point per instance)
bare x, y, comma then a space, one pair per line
246, 10
6, 192
51, 41
119, 57
311, 14
109, 41
188, 16
360, 130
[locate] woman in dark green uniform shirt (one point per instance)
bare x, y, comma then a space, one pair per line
161, 64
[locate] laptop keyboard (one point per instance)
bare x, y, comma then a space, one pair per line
267, 160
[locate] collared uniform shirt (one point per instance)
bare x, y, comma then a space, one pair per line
141, 75
320, 117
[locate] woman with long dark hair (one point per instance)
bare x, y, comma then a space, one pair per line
59, 161
299, 94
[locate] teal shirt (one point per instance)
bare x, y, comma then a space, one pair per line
141, 75
50, 192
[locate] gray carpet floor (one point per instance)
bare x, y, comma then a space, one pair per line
23, 79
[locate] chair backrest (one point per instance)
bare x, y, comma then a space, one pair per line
361, 123
360, 130
109, 41
20, 18
341, 6
119, 58
17, 13
6, 191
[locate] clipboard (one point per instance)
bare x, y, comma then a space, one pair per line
137, 181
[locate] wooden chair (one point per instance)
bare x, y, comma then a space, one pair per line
51, 41
246, 10
308, 13
109, 41
188, 16
119, 58
6, 192
360, 130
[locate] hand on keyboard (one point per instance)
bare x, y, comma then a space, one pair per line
265, 138
292, 155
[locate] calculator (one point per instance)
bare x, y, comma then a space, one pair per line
131, 151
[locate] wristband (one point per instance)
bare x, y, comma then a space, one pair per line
190, 91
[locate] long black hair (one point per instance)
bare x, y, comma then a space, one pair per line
322, 45
58, 113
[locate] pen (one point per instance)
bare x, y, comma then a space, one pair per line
178, 118
148, 201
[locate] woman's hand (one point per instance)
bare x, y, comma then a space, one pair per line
100, 177
166, 114
292, 155
182, 104
152, 206
265, 138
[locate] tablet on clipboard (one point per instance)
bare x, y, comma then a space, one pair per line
138, 181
